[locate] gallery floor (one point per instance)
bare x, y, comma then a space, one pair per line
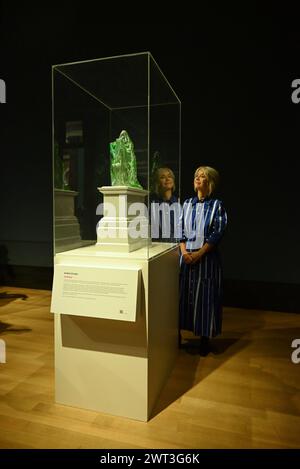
243, 394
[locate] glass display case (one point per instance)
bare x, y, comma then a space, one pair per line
116, 167
116, 128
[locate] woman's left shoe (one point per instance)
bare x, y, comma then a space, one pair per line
204, 346
180, 344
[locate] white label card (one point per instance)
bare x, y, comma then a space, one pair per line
101, 292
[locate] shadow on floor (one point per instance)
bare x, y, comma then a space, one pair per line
191, 366
6, 298
6, 327
188, 370
215, 346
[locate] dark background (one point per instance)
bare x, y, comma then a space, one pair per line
233, 76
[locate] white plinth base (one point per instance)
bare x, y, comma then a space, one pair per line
67, 229
119, 367
117, 230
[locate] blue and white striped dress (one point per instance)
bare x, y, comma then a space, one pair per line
203, 221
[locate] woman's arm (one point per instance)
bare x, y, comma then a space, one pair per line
218, 225
196, 256
217, 231
187, 257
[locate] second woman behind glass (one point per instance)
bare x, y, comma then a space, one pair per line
163, 196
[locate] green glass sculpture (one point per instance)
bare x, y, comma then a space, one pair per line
123, 162
66, 172
58, 168
156, 163
61, 169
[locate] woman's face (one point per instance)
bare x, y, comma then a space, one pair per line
201, 181
165, 180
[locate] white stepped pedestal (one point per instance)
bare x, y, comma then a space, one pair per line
124, 227
67, 229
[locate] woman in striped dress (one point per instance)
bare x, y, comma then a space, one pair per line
203, 224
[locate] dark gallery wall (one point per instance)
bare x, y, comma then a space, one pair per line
234, 80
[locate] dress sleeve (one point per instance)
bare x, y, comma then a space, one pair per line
182, 235
218, 225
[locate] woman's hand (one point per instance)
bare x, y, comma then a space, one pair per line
187, 257
196, 256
